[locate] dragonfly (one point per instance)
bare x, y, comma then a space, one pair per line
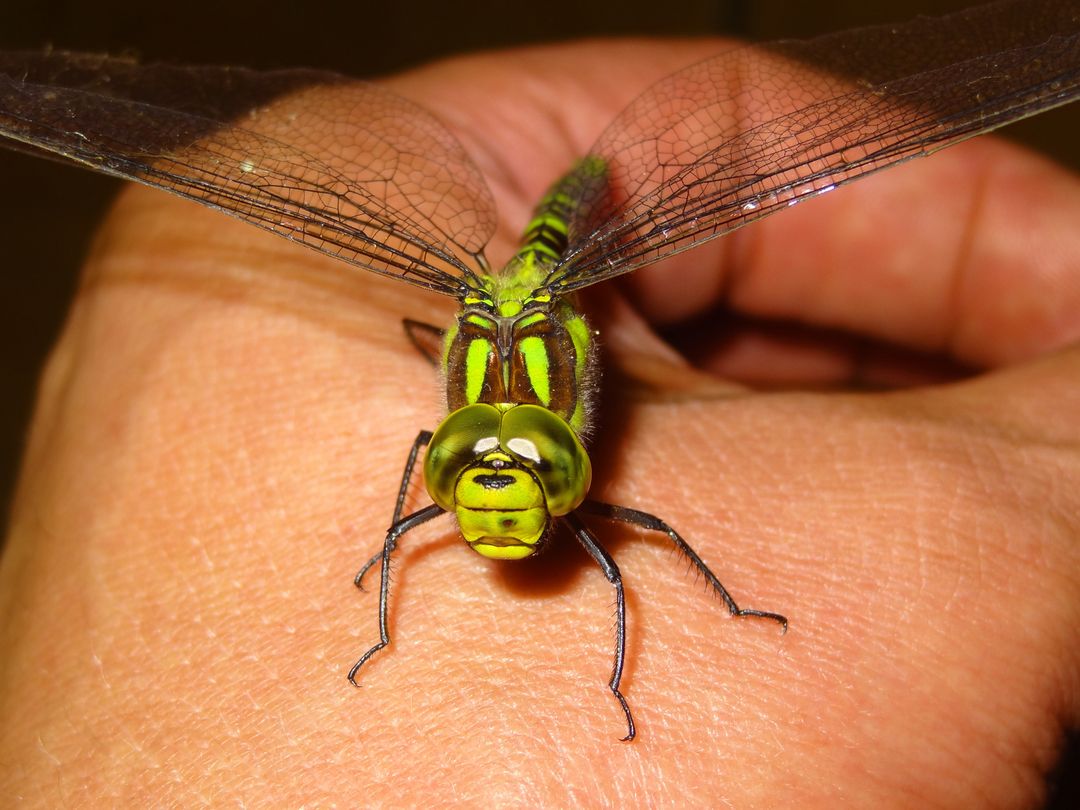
692, 158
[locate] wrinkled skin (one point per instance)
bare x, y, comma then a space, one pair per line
222, 424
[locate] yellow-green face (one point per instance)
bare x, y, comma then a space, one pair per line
505, 471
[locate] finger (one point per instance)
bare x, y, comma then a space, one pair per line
971, 253
782, 354
1036, 403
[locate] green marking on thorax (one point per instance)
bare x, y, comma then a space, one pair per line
536, 366
476, 368
582, 337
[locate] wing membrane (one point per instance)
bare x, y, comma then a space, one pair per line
391, 191
754, 130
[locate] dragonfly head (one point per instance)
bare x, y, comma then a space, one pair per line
505, 471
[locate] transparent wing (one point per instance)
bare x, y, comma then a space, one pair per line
391, 191
754, 130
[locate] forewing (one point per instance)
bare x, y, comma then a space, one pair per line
754, 130
346, 168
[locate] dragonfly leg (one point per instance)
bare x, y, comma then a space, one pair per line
611, 571
426, 339
396, 531
421, 440
653, 523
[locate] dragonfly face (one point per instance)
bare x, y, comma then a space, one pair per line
505, 470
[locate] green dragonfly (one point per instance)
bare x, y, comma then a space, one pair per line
692, 158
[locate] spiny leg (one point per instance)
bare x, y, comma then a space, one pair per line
611, 571
397, 530
653, 523
422, 440
426, 339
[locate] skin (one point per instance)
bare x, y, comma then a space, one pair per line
222, 425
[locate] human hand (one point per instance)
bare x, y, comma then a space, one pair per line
221, 429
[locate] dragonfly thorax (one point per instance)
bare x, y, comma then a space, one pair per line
534, 351
505, 471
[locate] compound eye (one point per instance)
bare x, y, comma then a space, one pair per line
463, 437
547, 446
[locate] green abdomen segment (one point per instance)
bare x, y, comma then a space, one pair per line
547, 234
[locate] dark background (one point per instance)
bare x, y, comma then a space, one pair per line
48, 212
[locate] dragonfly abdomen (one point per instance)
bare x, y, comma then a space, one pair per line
547, 236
